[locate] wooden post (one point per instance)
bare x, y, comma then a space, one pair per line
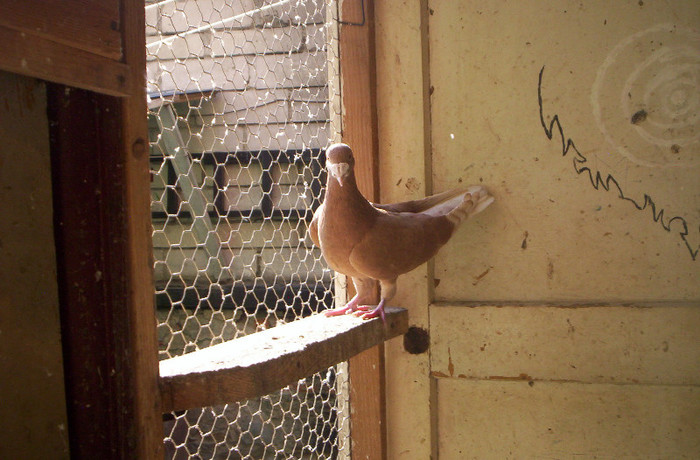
99, 150
147, 424
359, 130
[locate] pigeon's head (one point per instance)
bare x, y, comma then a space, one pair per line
339, 162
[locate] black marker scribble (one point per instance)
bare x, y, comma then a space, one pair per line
597, 180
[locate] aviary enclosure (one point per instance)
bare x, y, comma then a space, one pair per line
243, 99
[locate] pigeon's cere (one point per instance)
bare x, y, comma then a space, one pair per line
368, 241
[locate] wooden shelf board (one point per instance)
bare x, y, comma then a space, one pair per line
266, 361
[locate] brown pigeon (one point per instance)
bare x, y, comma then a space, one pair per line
368, 241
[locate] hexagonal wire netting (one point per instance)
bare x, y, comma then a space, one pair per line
242, 103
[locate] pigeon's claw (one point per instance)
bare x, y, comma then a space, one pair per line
362, 310
350, 307
339, 311
366, 311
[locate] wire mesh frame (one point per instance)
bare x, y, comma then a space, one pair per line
243, 100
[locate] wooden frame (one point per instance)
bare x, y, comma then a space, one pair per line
88, 25
111, 385
40, 57
99, 149
359, 128
100, 164
358, 83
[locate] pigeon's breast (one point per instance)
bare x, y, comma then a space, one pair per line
338, 258
338, 239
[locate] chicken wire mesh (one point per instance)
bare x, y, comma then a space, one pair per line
242, 103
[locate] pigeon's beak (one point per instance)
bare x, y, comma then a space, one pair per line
339, 171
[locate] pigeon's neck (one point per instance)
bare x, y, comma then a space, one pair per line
347, 194
347, 190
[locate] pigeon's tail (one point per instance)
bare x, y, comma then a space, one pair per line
475, 200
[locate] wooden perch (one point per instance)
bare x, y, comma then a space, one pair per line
261, 363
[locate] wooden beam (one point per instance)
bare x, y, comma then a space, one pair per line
105, 293
359, 130
36, 56
266, 361
99, 149
89, 215
33, 406
88, 25
359, 92
145, 425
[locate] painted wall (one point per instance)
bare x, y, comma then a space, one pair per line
32, 408
564, 320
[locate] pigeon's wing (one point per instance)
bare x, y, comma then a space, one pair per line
398, 243
434, 204
313, 226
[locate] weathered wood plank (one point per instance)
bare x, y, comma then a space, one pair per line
358, 74
32, 382
90, 215
360, 94
597, 344
143, 424
555, 234
39, 57
89, 25
404, 152
481, 419
258, 364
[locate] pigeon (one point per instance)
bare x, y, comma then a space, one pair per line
371, 242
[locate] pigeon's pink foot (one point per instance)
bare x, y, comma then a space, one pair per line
365, 312
362, 309
339, 311
350, 307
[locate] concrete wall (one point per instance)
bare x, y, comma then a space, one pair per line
33, 410
564, 320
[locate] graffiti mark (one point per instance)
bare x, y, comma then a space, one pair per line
676, 224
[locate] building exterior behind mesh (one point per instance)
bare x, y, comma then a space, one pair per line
241, 108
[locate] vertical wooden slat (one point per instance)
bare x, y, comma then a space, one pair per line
99, 151
87, 212
403, 109
359, 130
146, 427
32, 379
108, 325
359, 93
